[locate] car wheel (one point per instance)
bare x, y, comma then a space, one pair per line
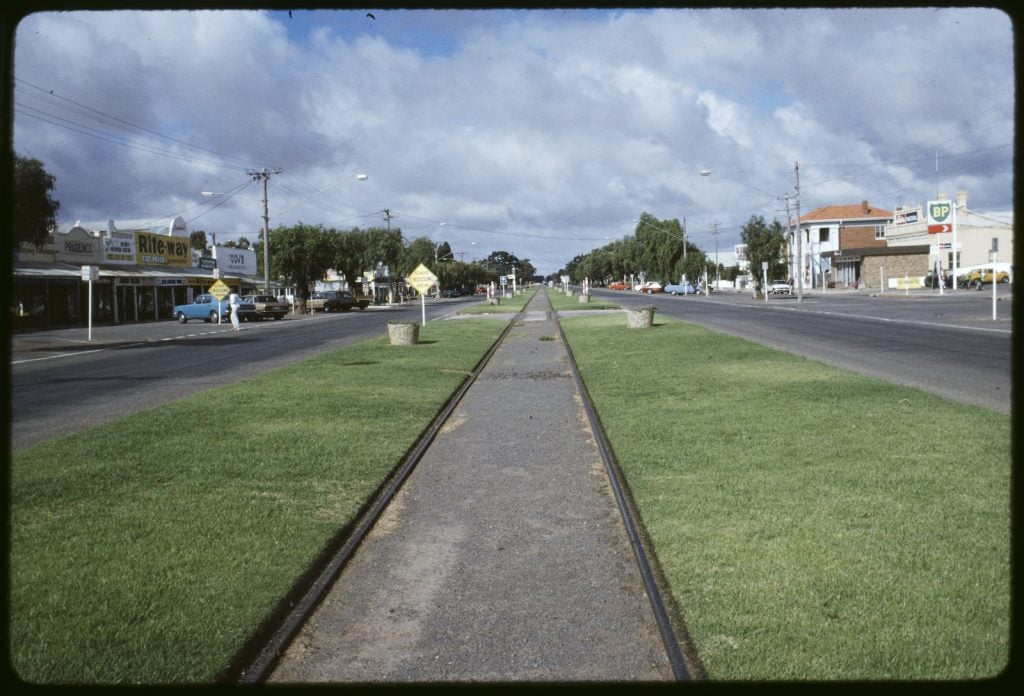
1006, 280
213, 317
182, 319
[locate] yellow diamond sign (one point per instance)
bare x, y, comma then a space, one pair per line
421, 279
219, 289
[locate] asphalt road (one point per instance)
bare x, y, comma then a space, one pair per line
946, 344
62, 383
949, 345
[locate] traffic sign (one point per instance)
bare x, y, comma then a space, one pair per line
421, 279
503, 280
219, 289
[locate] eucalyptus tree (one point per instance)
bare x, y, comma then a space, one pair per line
301, 254
35, 211
764, 244
419, 250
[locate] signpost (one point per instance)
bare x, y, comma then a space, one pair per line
941, 217
995, 278
89, 274
422, 279
219, 290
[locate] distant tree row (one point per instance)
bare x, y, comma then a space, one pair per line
659, 249
302, 254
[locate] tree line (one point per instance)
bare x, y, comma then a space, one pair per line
660, 251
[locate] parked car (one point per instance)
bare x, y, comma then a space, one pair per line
266, 307
984, 276
780, 287
209, 308
451, 292
618, 286
681, 288
650, 287
335, 301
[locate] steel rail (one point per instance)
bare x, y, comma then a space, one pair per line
661, 614
258, 670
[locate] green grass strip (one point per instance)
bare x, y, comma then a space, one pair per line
148, 550
509, 304
813, 524
561, 302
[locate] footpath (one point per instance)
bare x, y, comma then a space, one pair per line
503, 558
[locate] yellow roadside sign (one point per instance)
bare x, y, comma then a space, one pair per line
219, 289
421, 279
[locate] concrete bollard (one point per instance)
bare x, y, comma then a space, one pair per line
640, 317
404, 333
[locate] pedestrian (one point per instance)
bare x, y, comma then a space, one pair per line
233, 302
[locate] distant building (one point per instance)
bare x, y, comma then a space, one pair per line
145, 268
835, 240
974, 234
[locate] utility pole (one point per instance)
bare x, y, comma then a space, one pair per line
257, 175
684, 239
388, 216
799, 239
718, 274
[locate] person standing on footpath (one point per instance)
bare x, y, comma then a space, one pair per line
233, 301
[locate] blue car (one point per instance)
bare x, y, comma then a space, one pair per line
207, 307
681, 289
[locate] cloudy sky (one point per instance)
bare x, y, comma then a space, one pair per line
545, 133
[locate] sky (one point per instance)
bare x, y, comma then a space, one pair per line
543, 132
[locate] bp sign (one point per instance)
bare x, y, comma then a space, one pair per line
940, 216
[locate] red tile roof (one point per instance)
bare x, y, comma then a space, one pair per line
859, 211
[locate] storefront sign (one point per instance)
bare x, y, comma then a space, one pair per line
77, 246
162, 250
232, 261
119, 247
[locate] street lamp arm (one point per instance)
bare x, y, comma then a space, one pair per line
709, 172
358, 177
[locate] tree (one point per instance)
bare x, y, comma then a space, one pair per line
764, 244
381, 246
197, 240
502, 262
301, 254
419, 250
347, 252
35, 212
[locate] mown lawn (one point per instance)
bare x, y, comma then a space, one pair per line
813, 524
148, 550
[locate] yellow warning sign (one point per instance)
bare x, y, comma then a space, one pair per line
421, 279
219, 289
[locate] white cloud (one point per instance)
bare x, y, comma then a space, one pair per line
537, 132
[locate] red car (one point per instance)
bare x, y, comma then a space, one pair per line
619, 286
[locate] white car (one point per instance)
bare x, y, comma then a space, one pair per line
650, 287
780, 287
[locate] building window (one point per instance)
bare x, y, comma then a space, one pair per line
879, 231
823, 234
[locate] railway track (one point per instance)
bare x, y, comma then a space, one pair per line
256, 662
